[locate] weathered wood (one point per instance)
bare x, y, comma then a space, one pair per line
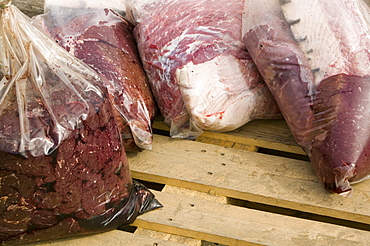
112, 238
245, 175
168, 237
226, 143
194, 193
176, 238
30, 7
271, 134
172, 237
236, 226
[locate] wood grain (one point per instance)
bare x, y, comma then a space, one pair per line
112, 238
245, 175
235, 226
271, 134
30, 7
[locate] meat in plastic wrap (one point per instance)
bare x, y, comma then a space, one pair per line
103, 39
199, 70
63, 169
314, 56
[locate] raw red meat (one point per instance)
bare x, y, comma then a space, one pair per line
200, 73
314, 56
104, 40
63, 169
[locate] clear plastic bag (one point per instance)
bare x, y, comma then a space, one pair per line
200, 73
63, 169
103, 39
314, 56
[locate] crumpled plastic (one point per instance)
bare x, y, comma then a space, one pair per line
63, 169
103, 39
200, 72
314, 57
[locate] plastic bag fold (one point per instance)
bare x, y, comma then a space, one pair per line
314, 57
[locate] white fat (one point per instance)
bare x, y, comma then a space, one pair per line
332, 34
321, 46
216, 93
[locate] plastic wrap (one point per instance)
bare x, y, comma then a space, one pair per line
63, 169
199, 70
103, 39
314, 56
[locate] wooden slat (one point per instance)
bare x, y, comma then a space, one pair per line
112, 238
169, 237
245, 175
271, 134
176, 238
236, 226
172, 237
211, 139
30, 7
194, 193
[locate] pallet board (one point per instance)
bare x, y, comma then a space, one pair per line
112, 238
276, 182
245, 175
270, 134
236, 226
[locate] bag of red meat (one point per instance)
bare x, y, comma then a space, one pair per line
314, 56
103, 39
199, 70
63, 169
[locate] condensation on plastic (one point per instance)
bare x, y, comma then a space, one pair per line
314, 56
103, 39
63, 169
26, 93
200, 73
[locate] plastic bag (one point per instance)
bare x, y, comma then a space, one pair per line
200, 73
103, 39
314, 56
63, 170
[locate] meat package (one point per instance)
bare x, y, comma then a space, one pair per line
103, 39
314, 56
63, 169
200, 72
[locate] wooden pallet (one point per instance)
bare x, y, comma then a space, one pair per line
259, 198
232, 196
